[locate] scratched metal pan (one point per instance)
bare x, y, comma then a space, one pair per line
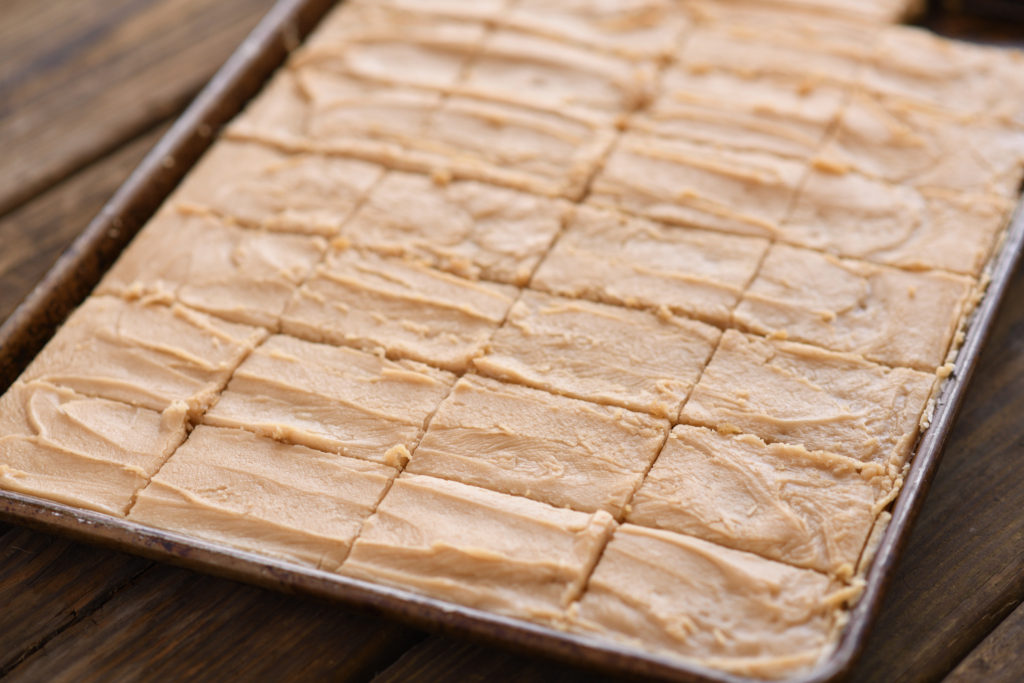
81, 267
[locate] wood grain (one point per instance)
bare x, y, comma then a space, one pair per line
82, 76
999, 658
35, 234
47, 583
443, 659
171, 624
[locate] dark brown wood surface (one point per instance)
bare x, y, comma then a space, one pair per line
86, 87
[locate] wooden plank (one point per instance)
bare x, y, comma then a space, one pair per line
82, 76
173, 624
47, 583
999, 658
444, 659
35, 234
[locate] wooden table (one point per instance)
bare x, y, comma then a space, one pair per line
86, 87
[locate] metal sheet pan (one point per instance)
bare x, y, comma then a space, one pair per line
81, 267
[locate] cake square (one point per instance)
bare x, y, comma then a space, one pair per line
388, 44
907, 145
806, 508
144, 354
619, 259
806, 396
915, 66
764, 44
887, 315
471, 229
261, 187
526, 442
675, 181
606, 354
548, 73
311, 110
684, 597
82, 451
518, 557
246, 276
332, 399
727, 110
232, 487
404, 308
538, 150
918, 228
639, 29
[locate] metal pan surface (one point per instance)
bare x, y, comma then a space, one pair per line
80, 268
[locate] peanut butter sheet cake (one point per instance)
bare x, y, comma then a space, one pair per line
619, 317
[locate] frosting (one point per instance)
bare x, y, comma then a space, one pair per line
236, 488
145, 354
518, 557
560, 451
799, 394
887, 315
611, 257
82, 451
918, 228
465, 227
261, 187
606, 354
676, 181
333, 399
406, 309
809, 509
242, 275
688, 598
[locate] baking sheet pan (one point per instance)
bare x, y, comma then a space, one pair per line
80, 268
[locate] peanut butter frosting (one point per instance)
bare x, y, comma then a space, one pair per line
901, 144
145, 354
558, 450
639, 29
917, 67
404, 308
802, 395
724, 608
333, 399
79, 450
679, 182
261, 187
518, 557
232, 487
396, 45
809, 509
724, 109
471, 229
775, 46
552, 74
546, 151
539, 150
918, 228
315, 111
611, 257
605, 354
887, 315
242, 275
